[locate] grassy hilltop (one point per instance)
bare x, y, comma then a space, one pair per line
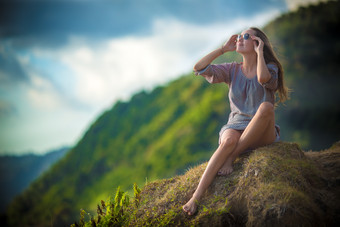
276, 185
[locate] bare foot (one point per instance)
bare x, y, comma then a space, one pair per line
190, 207
226, 169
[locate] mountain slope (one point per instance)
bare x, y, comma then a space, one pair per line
17, 172
161, 133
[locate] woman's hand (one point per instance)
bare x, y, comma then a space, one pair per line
230, 45
258, 44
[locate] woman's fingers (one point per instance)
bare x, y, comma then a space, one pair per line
255, 37
233, 38
230, 45
258, 42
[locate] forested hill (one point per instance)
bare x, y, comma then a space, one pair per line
310, 55
161, 133
17, 172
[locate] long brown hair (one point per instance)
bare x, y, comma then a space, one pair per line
270, 57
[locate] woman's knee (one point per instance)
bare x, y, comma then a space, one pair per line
266, 109
229, 141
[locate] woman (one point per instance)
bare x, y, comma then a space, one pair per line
252, 87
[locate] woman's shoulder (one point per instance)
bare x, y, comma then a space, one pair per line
237, 64
234, 65
229, 66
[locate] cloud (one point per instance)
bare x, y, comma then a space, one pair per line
54, 21
11, 70
42, 95
295, 4
115, 68
6, 109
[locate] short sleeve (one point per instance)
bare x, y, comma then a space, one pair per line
271, 84
216, 73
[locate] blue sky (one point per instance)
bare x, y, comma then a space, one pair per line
62, 63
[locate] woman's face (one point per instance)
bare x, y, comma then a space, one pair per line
244, 43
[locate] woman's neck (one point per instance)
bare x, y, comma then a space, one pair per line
249, 65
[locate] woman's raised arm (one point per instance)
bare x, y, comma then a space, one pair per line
263, 74
230, 45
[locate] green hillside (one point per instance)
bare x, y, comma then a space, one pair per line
162, 133
153, 135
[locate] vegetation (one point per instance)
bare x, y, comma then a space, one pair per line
309, 54
277, 185
161, 133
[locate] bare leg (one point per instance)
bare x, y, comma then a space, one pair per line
227, 168
259, 132
215, 163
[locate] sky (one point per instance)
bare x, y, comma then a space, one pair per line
62, 63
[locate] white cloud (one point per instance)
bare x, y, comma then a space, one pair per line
295, 4
42, 94
42, 99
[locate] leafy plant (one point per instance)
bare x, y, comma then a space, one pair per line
112, 213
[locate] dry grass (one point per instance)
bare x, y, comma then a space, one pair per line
277, 185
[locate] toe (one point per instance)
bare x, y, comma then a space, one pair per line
221, 173
185, 209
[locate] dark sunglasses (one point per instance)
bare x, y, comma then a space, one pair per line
245, 36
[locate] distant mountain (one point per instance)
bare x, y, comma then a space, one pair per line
162, 133
17, 172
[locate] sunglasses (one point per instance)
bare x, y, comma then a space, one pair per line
245, 36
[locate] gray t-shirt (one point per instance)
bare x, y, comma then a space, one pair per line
245, 95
